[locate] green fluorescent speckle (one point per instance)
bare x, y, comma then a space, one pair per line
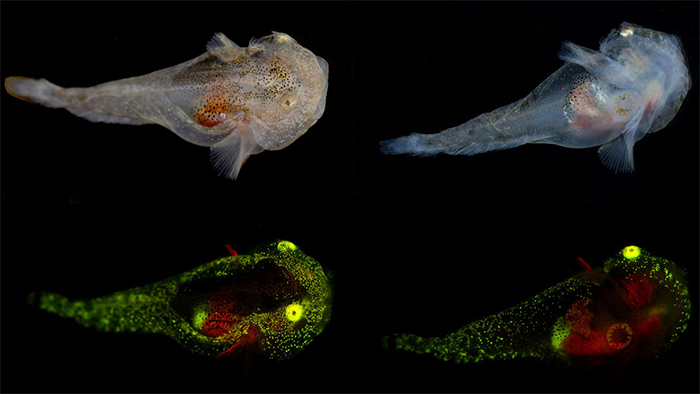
276, 300
576, 322
559, 332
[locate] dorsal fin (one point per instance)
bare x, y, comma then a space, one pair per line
221, 47
586, 265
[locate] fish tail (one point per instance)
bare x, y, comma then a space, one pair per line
102, 103
410, 342
36, 91
117, 312
414, 144
491, 338
503, 128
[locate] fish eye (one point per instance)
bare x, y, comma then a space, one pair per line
626, 30
289, 102
284, 246
631, 252
294, 312
281, 38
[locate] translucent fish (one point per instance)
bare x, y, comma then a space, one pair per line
274, 302
632, 309
238, 101
634, 85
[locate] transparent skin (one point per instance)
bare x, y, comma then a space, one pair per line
611, 98
632, 309
238, 101
274, 302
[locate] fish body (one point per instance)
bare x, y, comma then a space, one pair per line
610, 98
274, 301
632, 309
237, 101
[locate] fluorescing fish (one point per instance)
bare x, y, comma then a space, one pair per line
632, 309
274, 302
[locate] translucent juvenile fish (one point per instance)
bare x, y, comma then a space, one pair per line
632, 309
633, 86
238, 101
274, 301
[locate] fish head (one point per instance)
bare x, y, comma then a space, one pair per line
291, 91
655, 64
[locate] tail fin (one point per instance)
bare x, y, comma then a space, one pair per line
117, 312
37, 91
409, 342
62, 306
414, 144
103, 103
512, 125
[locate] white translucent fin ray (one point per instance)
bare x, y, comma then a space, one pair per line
228, 155
222, 47
617, 154
597, 64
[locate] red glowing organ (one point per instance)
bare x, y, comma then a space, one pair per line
632, 309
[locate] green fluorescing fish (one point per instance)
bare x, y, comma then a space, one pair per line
276, 301
631, 310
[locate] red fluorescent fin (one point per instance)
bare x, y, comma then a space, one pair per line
585, 265
231, 250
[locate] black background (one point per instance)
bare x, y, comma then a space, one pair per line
423, 245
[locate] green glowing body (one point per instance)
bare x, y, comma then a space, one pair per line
632, 309
275, 301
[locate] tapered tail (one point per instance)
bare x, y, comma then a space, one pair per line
117, 312
36, 91
103, 103
485, 339
504, 128
411, 342
525, 330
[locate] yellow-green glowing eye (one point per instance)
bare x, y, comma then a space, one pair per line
631, 252
294, 312
285, 246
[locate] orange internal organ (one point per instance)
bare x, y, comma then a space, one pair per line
215, 109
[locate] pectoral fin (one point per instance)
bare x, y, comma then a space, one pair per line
617, 154
228, 155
